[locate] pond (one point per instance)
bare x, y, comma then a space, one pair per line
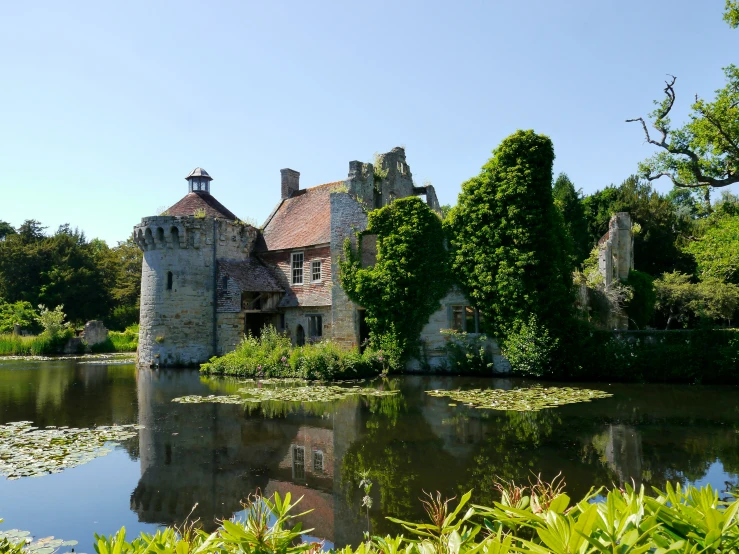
214, 455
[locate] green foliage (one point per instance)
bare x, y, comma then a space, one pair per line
508, 241
530, 348
731, 13
539, 519
569, 202
640, 307
18, 313
89, 278
52, 320
716, 300
675, 296
717, 251
411, 275
119, 341
703, 152
272, 355
6, 229
655, 249
16, 345
679, 356
468, 353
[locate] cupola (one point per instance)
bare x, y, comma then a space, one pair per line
198, 181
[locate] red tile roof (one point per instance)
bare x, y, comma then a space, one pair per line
304, 219
199, 201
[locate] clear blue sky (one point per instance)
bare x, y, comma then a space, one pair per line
107, 106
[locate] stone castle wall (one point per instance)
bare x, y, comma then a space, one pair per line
177, 284
347, 219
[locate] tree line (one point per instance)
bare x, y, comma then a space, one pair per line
90, 279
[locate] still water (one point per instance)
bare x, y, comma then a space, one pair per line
214, 455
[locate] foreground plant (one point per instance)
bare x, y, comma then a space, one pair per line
27, 451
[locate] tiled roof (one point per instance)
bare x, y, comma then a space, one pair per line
198, 201
304, 219
250, 275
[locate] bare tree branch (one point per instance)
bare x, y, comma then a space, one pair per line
694, 165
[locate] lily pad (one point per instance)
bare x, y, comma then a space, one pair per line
27, 451
530, 399
311, 393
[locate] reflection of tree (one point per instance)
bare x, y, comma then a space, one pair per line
511, 453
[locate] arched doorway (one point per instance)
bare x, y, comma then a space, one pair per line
300, 336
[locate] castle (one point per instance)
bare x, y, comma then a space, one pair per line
208, 278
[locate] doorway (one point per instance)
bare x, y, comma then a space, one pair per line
300, 336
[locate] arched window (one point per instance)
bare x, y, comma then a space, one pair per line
175, 237
170, 280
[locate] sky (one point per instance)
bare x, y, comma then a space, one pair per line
107, 106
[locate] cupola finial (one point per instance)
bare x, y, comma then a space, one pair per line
198, 181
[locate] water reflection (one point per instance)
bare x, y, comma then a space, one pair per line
215, 455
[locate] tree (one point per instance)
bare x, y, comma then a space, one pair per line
705, 151
410, 277
717, 251
6, 229
18, 313
640, 307
508, 240
676, 296
716, 300
569, 202
655, 249
731, 13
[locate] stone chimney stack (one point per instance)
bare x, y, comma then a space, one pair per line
290, 182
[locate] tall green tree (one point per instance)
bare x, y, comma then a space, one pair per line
6, 229
508, 240
569, 202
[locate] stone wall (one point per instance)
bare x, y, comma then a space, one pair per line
347, 219
299, 316
177, 321
616, 249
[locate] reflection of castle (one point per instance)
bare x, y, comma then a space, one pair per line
216, 455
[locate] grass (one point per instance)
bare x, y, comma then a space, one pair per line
272, 355
119, 341
16, 345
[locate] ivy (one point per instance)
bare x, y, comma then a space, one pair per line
410, 277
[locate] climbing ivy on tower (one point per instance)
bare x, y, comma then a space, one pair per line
410, 277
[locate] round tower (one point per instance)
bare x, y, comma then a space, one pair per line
178, 321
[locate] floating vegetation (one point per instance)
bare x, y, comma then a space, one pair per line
520, 400
47, 545
27, 451
124, 357
315, 393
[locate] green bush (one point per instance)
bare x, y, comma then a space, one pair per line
272, 355
122, 317
640, 308
39, 345
125, 341
467, 354
530, 348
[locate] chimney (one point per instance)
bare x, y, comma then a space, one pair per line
290, 182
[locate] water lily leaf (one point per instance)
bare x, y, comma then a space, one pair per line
520, 400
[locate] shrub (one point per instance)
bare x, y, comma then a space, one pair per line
529, 348
640, 307
122, 317
467, 353
272, 355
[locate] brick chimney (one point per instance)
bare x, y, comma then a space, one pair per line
290, 182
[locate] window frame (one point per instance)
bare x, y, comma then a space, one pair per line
316, 455
313, 264
475, 319
293, 268
298, 466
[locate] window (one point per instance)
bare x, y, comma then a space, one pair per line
318, 461
170, 280
315, 326
315, 270
465, 319
282, 321
298, 462
297, 268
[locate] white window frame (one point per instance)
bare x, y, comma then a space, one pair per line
293, 268
313, 265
